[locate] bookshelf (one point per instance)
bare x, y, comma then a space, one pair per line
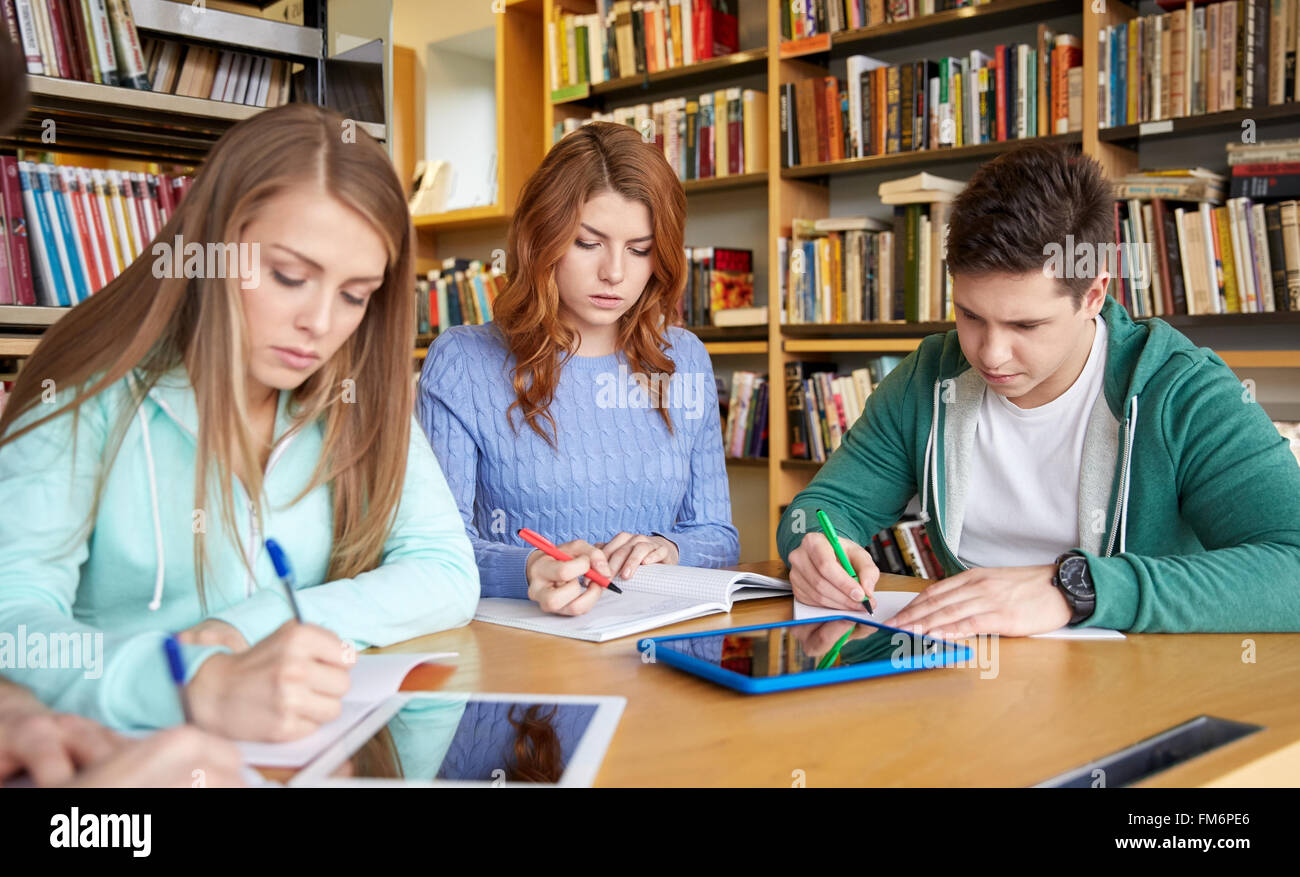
1269, 342
127, 124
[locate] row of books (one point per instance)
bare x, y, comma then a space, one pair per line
89, 40
630, 37
67, 231
716, 134
1238, 54
822, 405
1199, 258
744, 415
216, 74
1266, 169
461, 292
1019, 91
904, 549
854, 269
808, 18
717, 279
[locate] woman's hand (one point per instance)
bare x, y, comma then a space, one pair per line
553, 584
283, 688
51, 747
627, 551
212, 632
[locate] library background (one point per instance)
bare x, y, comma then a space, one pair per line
819, 142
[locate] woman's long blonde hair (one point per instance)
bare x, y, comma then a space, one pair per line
598, 157
140, 321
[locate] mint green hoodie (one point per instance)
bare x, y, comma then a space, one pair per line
1189, 499
131, 580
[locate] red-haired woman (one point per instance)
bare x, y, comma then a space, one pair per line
579, 412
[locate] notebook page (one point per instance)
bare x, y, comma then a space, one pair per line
613, 616
693, 582
890, 603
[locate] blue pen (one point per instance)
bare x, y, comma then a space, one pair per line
172, 647
285, 572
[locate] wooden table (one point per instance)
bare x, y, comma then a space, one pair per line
1053, 705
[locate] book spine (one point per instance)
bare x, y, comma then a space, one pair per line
1276, 255
26, 24
18, 235
51, 288
130, 58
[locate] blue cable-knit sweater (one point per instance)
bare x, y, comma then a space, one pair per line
615, 468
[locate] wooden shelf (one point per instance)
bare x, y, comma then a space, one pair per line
721, 348
130, 123
464, 218
1208, 123
28, 315
730, 333
748, 462
918, 157
864, 330
949, 23
805, 465
850, 345
18, 345
733, 181
1260, 358
750, 62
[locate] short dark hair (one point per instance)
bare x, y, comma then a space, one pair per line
1022, 201
13, 83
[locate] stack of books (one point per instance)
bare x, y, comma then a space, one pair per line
822, 405
1183, 249
854, 269
744, 415
803, 19
67, 231
718, 280
89, 40
716, 134
214, 74
461, 292
1018, 91
631, 37
1238, 54
1267, 169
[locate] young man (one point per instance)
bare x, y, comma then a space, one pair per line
1073, 466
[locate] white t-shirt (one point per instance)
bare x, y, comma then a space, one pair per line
1023, 498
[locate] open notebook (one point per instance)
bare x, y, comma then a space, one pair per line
658, 595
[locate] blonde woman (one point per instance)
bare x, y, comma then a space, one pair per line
168, 425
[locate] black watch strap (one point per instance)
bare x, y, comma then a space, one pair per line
1075, 582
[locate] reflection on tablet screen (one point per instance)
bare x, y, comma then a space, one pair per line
455, 738
800, 647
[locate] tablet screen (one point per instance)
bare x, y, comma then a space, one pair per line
464, 738
800, 646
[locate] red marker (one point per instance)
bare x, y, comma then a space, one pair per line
537, 540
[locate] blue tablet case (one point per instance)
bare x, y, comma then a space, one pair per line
945, 655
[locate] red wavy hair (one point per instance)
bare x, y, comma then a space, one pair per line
598, 157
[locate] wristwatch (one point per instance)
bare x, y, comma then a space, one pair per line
1075, 582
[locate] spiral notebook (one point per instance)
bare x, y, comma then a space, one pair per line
658, 595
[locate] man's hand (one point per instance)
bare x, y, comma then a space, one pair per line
1009, 600
818, 579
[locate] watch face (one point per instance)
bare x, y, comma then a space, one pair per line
1074, 576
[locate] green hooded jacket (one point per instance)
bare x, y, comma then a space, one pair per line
1189, 499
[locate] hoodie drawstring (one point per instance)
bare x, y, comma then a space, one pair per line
156, 602
929, 451
1128, 470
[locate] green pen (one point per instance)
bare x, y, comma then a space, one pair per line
829, 529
